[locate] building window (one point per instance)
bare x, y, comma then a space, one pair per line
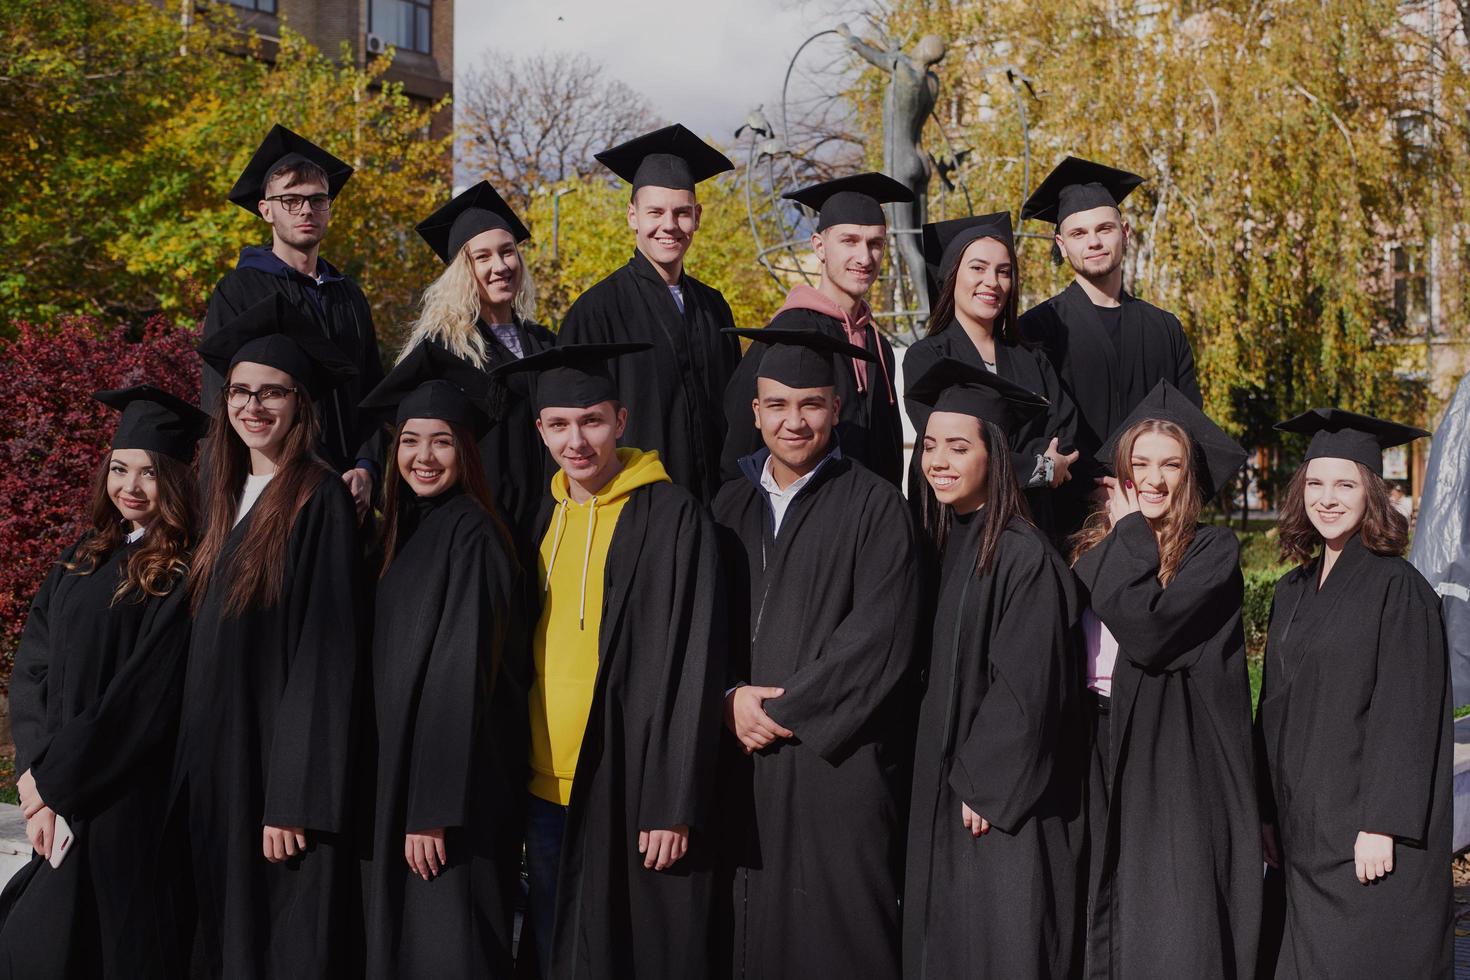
264, 6
1410, 288
401, 23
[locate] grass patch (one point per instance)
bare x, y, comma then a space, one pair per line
7, 781
1462, 711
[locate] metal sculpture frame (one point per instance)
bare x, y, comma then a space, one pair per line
765, 153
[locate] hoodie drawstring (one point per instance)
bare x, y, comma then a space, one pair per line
561, 522
587, 560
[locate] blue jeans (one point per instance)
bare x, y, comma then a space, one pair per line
546, 824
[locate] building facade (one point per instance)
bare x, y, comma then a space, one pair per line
419, 32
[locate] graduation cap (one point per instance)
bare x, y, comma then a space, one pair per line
477, 210
852, 200
952, 385
571, 376
1217, 457
432, 383
274, 333
283, 148
1337, 434
799, 358
669, 157
944, 242
154, 420
1078, 185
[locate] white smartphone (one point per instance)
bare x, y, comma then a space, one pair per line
61, 846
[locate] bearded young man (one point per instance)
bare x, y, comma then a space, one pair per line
1109, 348
850, 238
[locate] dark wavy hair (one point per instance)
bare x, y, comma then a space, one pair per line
471, 477
1003, 500
162, 559
260, 562
942, 317
1384, 530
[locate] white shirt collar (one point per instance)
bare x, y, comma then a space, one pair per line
135, 534
768, 479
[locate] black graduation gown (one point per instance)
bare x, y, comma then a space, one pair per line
451, 752
266, 739
868, 425
672, 392
344, 317
1105, 382
1355, 734
647, 757
515, 460
1180, 876
997, 730
812, 827
94, 701
1027, 367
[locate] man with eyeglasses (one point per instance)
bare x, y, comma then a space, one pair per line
291, 183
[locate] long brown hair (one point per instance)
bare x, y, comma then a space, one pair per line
260, 561
163, 557
1175, 529
1006, 330
471, 477
1003, 500
1384, 530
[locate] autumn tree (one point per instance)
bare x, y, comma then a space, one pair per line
532, 120
125, 133
1276, 172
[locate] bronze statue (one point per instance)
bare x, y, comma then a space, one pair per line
908, 101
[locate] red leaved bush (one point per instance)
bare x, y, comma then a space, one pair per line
52, 434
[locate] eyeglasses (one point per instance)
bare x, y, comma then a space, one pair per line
293, 203
270, 397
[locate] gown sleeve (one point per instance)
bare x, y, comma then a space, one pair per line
28, 678
468, 645
917, 360
679, 760
369, 375
311, 751
586, 322
1265, 792
1406, 716
94, 755
830, 699
1161, 628
1186, 379
1006, 762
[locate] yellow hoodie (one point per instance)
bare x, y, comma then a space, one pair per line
571, 618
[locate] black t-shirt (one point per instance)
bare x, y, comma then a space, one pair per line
1112, 321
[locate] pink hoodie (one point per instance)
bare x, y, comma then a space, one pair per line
805, 297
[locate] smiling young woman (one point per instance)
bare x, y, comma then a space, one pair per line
992, 882
449, 664
264, 746
1353, 731
1170, 795
974, 319
94, 698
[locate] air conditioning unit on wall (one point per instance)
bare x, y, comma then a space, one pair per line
375, 44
